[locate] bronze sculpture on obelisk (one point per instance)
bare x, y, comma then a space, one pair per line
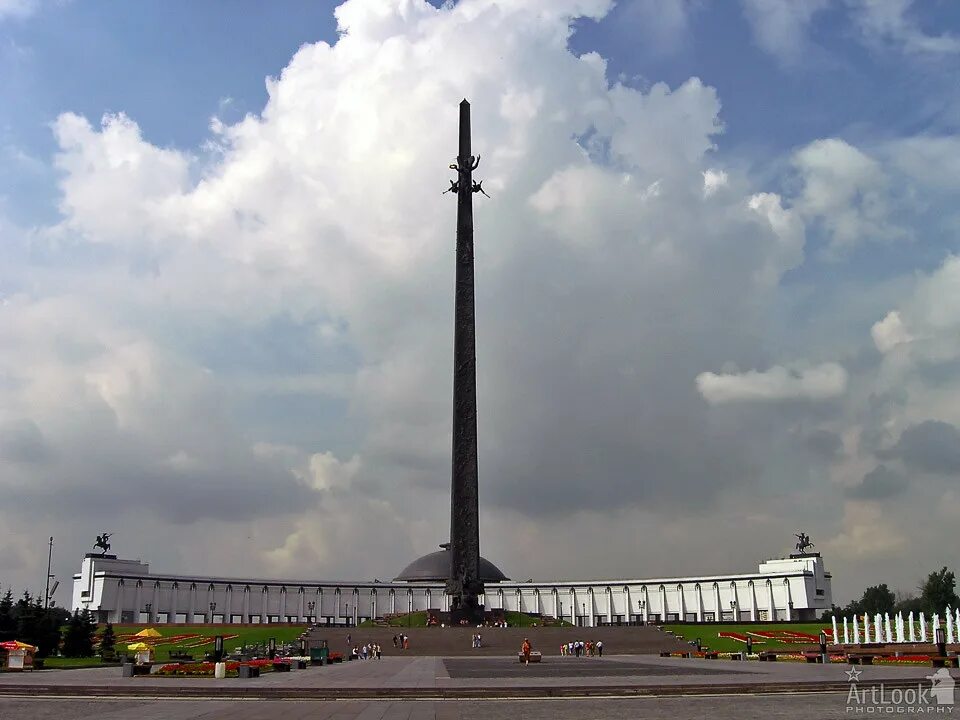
464, 584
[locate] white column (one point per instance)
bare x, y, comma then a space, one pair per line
752, 588
393, 601
283, 604
683, 604
336, 607
174, 596
139, 601
771, 607
609, 605
717, 609
699, 590
663, 603
373, 604
210, 598
264, 603
246, 605
228, 593
646, 603
301, 602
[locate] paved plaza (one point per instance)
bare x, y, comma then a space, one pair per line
436, 688
822, 706
427, 677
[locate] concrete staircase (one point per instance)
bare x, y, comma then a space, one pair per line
456, 641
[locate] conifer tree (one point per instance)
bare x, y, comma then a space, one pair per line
108, 644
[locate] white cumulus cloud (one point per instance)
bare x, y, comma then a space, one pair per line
819, 382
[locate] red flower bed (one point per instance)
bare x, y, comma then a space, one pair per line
205, 669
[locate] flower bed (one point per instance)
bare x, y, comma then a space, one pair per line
205, 669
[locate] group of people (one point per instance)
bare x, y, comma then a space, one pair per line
401, 642
367, 651
579, 648
477, 641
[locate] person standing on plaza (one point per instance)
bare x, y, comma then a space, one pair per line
525, 649
599, 648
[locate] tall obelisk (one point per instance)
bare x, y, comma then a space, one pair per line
464, 584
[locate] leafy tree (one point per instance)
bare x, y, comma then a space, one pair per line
877, 599
908, 603
938, 591
108, 643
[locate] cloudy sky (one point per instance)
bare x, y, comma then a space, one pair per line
718, 284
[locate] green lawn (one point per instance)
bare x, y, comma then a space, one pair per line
708, 634
198, 639
414, 619
62, 663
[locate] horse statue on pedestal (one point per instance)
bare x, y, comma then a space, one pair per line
103, 542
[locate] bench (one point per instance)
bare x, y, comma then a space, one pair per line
767, 656
860, 659
736, 656
711, 655
813, 657
948, 661
182, 657
535, 656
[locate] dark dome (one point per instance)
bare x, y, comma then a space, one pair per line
435, 567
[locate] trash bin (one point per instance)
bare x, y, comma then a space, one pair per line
249, 671
220, 670
127, 670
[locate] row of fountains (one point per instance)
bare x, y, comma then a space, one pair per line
884, 629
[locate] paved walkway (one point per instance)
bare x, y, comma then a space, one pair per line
404, 673
794, 707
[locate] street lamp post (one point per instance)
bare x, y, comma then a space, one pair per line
583, 617
213, 606
310, 606
348, 615
46, 595
640, 605
149, 607
733, 610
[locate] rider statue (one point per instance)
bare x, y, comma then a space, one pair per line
803, 542
103, 542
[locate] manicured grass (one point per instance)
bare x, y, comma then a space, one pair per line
518, 619
414, 619
708, 634
198, 639
62, 663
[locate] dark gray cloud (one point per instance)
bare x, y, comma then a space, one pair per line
824, 444
21, 441
931, 446
879, 484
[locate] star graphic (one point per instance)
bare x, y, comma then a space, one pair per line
853, 674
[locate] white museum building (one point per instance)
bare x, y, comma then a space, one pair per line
125, 591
